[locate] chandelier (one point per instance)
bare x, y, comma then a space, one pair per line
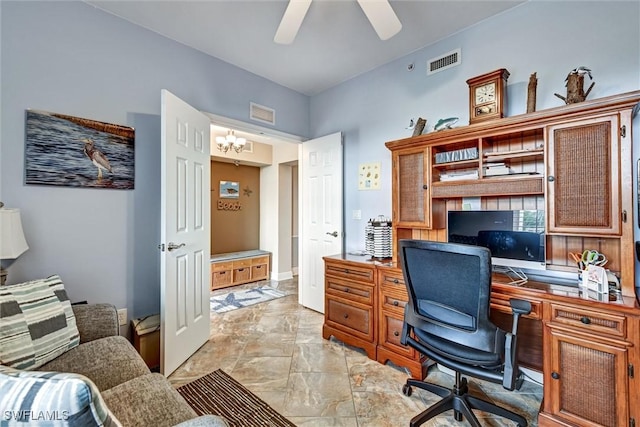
230, 141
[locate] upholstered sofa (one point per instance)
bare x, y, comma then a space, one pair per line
95, 376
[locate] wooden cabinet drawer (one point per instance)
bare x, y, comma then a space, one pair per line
260, 260
259, 272
391, 278
242, 274
362, 274
590, 321
239, 263
349, 290
351, 318
220, 278
393, 301
222, 266
390, 334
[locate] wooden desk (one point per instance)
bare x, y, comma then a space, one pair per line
587, 350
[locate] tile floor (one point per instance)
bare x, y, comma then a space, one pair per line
276, 350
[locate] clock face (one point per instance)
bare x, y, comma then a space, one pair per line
486, 93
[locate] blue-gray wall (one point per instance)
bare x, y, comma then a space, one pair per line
70, 58
547, 37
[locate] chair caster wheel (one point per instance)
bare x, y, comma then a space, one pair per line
407, 390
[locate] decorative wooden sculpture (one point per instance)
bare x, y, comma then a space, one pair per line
419, 127
531, 93
575, 85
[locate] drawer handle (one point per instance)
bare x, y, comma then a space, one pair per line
396, 281
346, 316
346, 290
258, 266
396, 303
222, 272
241, 269
555, 375
585, 320
396, 333
346, 270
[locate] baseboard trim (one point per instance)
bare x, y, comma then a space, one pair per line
286, 275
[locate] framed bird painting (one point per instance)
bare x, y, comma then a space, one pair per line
76, 152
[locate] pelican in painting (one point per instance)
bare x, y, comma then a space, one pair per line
96, 156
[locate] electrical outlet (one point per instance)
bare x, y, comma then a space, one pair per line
122, 316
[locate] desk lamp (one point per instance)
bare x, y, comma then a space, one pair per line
12, 241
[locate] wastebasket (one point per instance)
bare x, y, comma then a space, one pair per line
146, 339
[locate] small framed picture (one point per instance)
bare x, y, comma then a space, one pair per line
229, 189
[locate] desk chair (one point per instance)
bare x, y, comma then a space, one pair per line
447, 320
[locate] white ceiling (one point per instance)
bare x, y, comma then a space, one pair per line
335, 43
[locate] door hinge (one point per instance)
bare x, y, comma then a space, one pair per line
630, 369
623, 131
161, 247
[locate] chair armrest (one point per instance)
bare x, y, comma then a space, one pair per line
96, 321
512, 377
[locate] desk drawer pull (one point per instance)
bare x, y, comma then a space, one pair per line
396, 333
396, 303
346, 316
555, 375
396, 281
346, 290
585, 320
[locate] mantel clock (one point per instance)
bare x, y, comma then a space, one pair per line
488, 96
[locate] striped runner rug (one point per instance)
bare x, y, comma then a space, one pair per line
218, 393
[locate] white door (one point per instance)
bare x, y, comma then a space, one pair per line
321, 228
185, 224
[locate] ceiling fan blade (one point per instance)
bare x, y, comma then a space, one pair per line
382, 17
291, 21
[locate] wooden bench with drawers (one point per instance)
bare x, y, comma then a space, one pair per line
236, 268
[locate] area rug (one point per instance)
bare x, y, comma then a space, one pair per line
219, 394
238, 299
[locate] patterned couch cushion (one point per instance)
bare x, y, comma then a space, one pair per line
51, 398
37, 323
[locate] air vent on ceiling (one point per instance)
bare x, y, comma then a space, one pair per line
441, 63
262, 114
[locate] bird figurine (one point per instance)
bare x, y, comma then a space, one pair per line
581, 71
96, 156
445, 123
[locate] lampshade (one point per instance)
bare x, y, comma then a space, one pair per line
12, 241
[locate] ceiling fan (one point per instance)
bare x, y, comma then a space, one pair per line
379, 12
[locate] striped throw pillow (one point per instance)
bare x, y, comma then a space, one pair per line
37, 323
52, 399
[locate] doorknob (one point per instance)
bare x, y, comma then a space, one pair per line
334, 234
171, 246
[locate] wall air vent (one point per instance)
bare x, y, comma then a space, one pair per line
441, 63
262, 114
248, 147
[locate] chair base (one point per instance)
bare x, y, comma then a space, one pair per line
460, 401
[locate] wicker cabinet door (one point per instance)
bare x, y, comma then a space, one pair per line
586, 382
583, 177
411, 201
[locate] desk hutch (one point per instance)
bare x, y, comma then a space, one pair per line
575, 163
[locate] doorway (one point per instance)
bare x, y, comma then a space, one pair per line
274, 157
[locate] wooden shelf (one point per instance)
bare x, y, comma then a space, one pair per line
513, 155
